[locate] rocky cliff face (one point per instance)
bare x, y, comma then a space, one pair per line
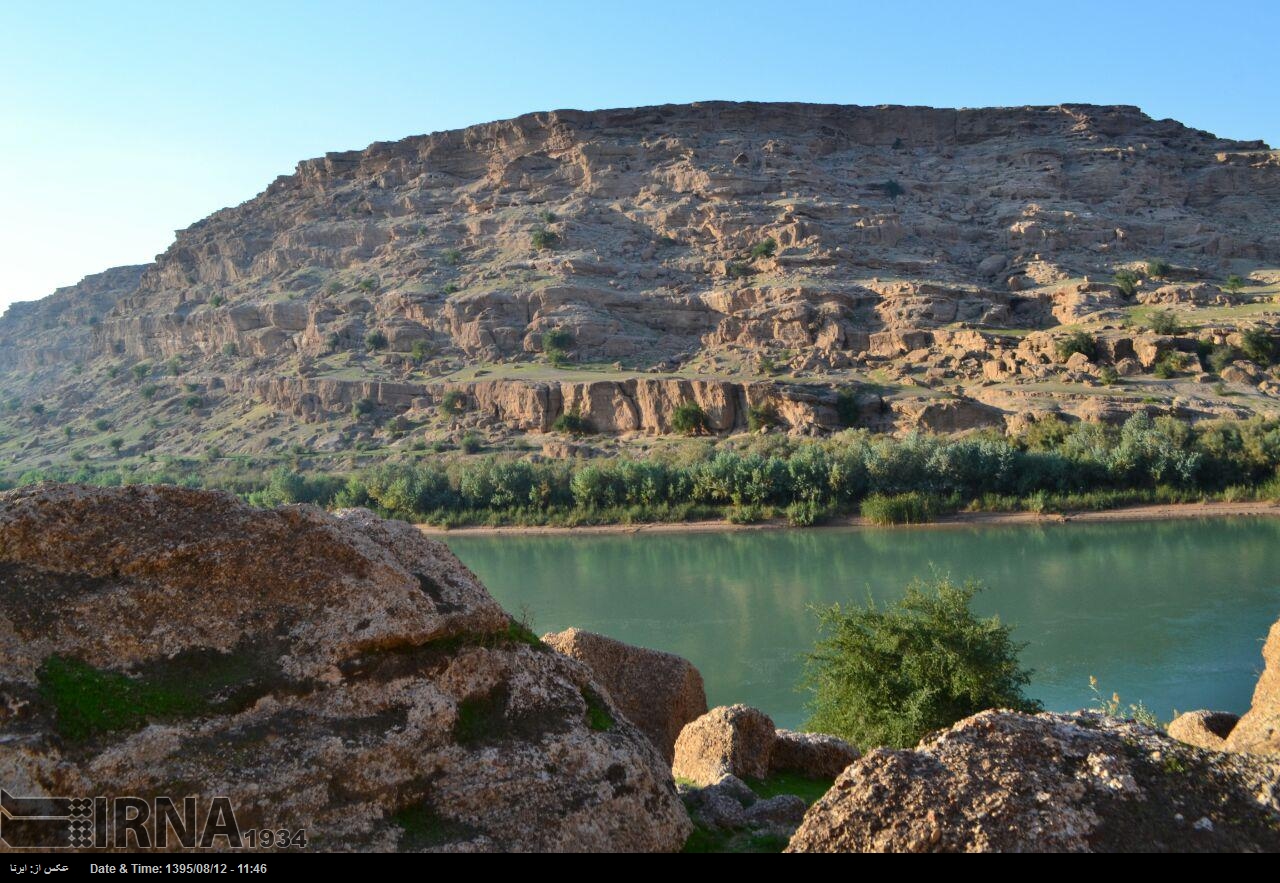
336, 674
711, 243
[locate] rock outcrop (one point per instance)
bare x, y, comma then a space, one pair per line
735, 256
339, 674
1006, 782
731, 810
812, 755
1258, 731
1203, 729
658, 692
732, 740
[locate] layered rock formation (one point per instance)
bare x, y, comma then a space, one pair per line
905, 251
338, 674
1006, 782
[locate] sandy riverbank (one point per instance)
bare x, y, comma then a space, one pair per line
1146, 512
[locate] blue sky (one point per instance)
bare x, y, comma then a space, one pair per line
121, 122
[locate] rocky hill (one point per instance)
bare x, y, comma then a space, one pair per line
615, 264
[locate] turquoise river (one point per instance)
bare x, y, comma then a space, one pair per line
1171, 613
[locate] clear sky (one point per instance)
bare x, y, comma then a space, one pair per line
121, 122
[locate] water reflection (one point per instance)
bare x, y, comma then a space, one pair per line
1171, 613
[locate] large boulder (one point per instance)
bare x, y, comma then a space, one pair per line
813, 755
1006, 782
1203, 729
1259, 729
339, 674
658, 692
731, 740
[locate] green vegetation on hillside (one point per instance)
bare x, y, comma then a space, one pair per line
1054, 466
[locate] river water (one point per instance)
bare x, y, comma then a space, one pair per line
1170, 613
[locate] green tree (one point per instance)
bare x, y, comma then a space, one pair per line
689, 419
1257, 346
571, 423
1076, 342
1158, 268
1126, 281
543, 238
762, 417
1233, 284
765, 249
888, 676
454, 402
375, 340
1165, 322
555, 345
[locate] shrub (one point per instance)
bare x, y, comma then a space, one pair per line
190, 403
543, 239
761, 417
363, 407
847, 406
805, 513
149, 391
747, 514
375, 340
451, 257
367, 284
765, 249
1158, 268
1113, 707
451, 288
888, 676
334, 287
471, 443
892, 189
174, 366
101, 425
1126, 281
1076, 342
547, 216
37, 409
230, 349
421, 350
217, 300
571, 423
454, 402
1233, 284
1164, 322
737, 269
116, 444
332, 341
1220, 357
909, 508
557, 338
1167, 366
1257, 346
689, 419
1108, 376
141, 371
